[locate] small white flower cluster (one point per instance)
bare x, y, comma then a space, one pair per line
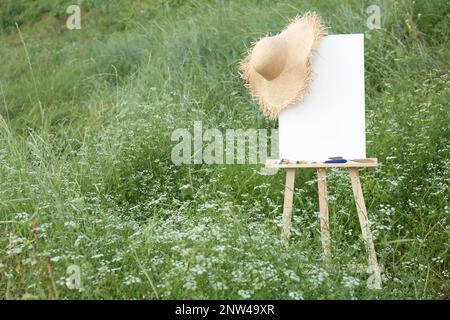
130, 280
350, 282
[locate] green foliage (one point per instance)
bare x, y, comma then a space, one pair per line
11, 14
86, 176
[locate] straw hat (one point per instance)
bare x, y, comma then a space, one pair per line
277, 69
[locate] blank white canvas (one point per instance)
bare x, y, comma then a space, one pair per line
331, 119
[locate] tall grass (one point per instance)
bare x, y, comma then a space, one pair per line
93, 184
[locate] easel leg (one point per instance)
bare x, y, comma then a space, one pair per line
288, 199
323, 206
365, 228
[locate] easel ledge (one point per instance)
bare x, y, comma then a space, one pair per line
360, 163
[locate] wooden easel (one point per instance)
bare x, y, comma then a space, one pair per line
353, 167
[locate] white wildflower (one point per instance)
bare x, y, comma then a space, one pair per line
246, 294
350, 282
295, 295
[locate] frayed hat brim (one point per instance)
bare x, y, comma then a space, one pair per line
291, 86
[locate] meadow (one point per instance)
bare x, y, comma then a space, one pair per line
86, 177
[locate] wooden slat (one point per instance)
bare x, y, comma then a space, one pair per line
288, 200
323, 206
365, 228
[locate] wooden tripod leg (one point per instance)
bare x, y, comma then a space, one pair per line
365, 228
323, 206
288, 199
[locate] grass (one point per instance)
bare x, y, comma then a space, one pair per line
86, 176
